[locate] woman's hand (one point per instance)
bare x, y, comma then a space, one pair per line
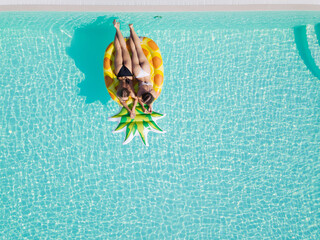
132, 114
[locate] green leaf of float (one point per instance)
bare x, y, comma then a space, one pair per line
121, 126
130, 128
134, 130
155, 126
148, 116
143, 117
139, 110
122, 113
155, 114
145, 124
124, 122
126, 119
141, 129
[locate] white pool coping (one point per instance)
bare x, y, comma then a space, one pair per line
162, 8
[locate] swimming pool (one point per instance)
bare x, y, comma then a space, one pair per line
240, 156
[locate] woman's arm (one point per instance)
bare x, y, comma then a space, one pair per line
142, 105
150, 108
125, 105
133, 110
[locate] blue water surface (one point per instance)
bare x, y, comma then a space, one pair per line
240, 156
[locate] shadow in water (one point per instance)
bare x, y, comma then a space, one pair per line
87, 49
300, 36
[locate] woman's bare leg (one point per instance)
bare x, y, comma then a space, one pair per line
118, 61
135, 60
125, 54
143, 61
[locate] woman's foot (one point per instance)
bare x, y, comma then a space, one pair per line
131, 26
116, 24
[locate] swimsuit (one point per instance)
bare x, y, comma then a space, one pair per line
124, 72
146, 83
142, 74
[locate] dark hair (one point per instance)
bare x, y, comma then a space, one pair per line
124, 93
147, 98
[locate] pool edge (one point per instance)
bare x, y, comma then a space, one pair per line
161, 8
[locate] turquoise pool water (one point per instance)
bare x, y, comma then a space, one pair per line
240, 156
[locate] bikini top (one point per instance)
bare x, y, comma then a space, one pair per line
124, 72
